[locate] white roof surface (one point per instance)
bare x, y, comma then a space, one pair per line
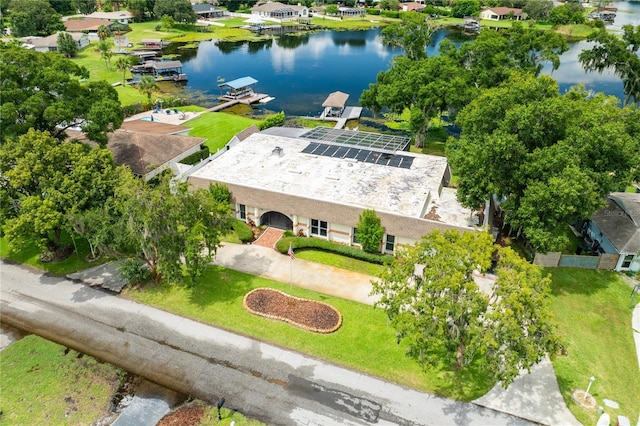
253, 163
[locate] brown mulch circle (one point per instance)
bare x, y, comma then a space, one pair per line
186, 415
304, 313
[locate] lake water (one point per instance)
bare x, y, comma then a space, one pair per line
300, 72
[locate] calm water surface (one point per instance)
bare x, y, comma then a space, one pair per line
300, 72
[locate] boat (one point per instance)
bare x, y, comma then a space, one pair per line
267, 99
220, 79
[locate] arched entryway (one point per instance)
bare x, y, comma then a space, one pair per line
276, 220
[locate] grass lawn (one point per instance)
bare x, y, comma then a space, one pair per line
42, 384
364, 342
338, 261
594, 321
218, 128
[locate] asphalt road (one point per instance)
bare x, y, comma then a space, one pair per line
277, 386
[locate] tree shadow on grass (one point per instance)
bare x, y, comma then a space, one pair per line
219, 284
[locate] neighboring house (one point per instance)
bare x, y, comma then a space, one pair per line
207, 11
411, 6
121, 41
50, 43
147, 147
121, 17
280, 11
615, 229
501, 13
87, 25
351, 11
318, 181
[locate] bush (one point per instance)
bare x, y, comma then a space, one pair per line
288, 233
196, 157
373, 11
244, 232
134, 272
370, 231
390, 13
319, 244
272, 121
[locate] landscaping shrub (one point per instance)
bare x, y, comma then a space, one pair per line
196, 157
244, 232
288, 233
373, 11
390, 14
319, 244
272, 121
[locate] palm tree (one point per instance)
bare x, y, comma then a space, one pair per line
147, 84
105, 52
122, 64
103, 32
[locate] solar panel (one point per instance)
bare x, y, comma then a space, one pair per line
367, 140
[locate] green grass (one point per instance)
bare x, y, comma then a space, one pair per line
355, 23
30, 255
364, 342
593, 315
43, 385
218, 128
339, 261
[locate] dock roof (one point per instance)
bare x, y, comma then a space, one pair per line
239, 83
336, 100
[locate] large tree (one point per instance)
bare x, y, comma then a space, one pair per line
180, 10
43, 91
174, 231
432, 300
33, 18
85, 7
548, 159
44, 181
618, 54
413, 34
67, 45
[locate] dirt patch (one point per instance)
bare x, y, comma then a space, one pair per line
186, 415
307, 314
56, 256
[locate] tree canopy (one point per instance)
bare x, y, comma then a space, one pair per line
174, 231
548, 159
449, 81
43, 91
370, 231
619, 54
67, 45
432, 300
33, 18
44, 181
180, 10
413, 34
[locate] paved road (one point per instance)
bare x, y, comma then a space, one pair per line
275, 385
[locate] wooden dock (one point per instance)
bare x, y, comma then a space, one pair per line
349, 113
247, 100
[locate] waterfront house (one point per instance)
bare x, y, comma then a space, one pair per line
50, 43
501, 13
279, 11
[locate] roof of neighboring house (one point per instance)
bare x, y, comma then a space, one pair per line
143, 152
86, 24
204, 8
502, 11
50, 40
336, 100
279, 163
156, 127
619, 221
112, 16
239, 83
272, 6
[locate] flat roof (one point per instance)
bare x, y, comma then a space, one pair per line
277, 163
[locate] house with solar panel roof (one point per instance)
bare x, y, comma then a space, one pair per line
318, 181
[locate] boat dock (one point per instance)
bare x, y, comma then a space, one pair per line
349, 113
247, 100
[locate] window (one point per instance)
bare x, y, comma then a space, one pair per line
390, 243
243, 211
318, 227
627, 261
354, 236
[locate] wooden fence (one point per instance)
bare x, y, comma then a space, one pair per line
557, 259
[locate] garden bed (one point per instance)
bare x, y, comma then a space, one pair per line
307, 314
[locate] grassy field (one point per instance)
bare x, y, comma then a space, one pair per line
218, 128
594, 320
338, 261
364, 342
43, 383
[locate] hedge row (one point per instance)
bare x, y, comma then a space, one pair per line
196, 157
318, 243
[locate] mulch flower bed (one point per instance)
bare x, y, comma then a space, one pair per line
307, 314
186, 415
